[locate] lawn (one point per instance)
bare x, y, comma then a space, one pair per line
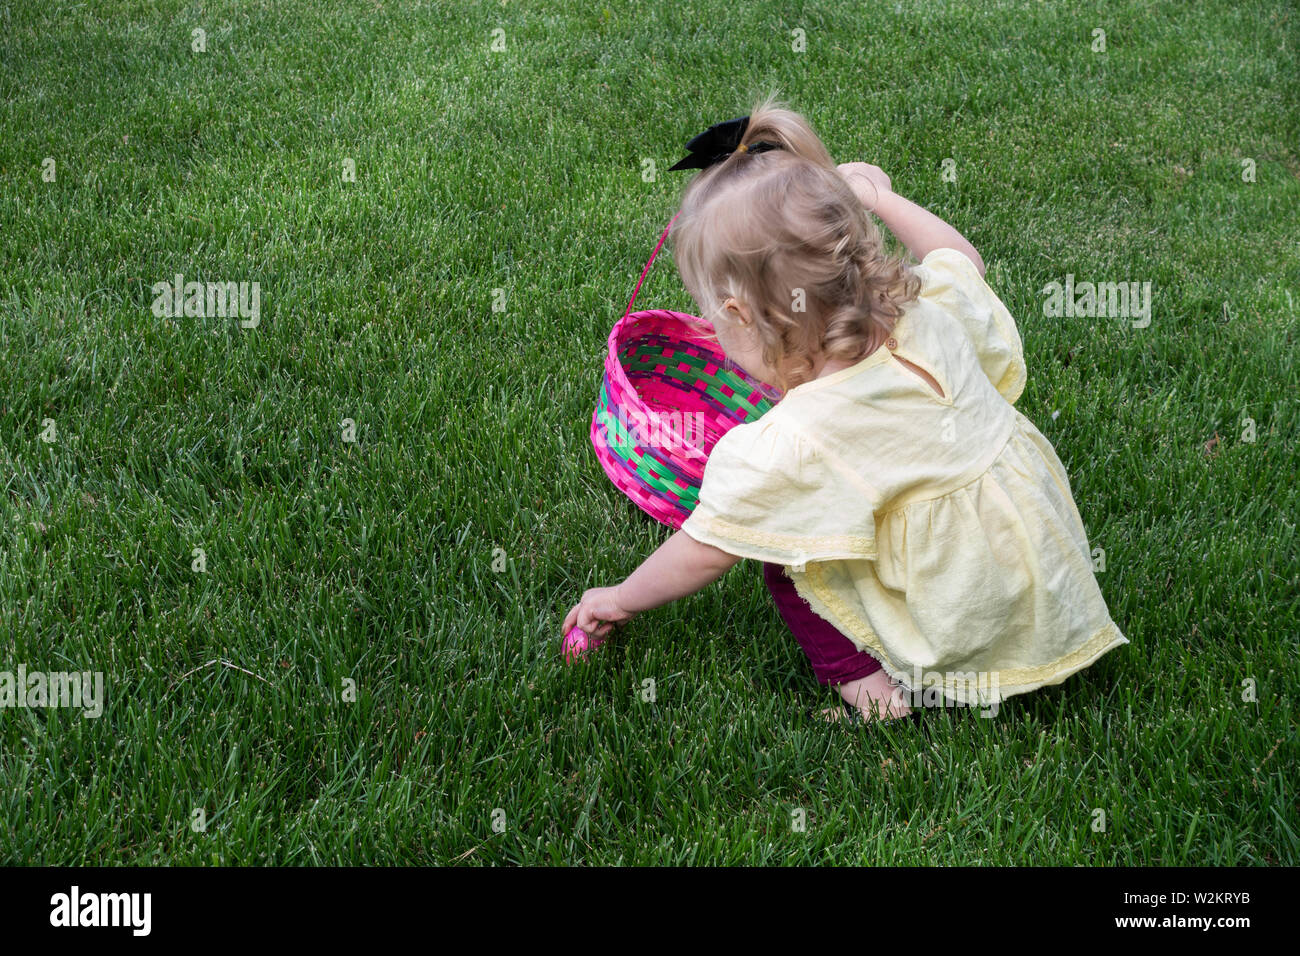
321, 555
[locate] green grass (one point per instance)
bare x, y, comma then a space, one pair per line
373, 561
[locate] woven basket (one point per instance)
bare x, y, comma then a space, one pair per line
669, 393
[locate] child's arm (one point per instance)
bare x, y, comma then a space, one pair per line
680, 566
920, 230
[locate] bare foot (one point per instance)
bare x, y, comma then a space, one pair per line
875, 696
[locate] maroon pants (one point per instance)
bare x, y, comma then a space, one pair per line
835, 659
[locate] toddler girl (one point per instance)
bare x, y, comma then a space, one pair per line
915, 528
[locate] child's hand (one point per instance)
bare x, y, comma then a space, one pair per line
597, 612
868, 182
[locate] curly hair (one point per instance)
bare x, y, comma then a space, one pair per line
784, 233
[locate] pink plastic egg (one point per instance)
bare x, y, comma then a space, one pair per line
577, 644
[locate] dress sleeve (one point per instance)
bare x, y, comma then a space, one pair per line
771, 494
951, 280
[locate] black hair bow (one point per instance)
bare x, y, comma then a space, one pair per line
717, 143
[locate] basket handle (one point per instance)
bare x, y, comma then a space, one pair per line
648, 263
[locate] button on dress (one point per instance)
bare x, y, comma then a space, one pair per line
937, 533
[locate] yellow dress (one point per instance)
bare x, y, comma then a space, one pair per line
938, 534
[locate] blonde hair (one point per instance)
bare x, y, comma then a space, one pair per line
764, 226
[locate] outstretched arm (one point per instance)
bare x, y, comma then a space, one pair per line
679, 567
920, 230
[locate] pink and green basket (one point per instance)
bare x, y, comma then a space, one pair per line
668, 394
